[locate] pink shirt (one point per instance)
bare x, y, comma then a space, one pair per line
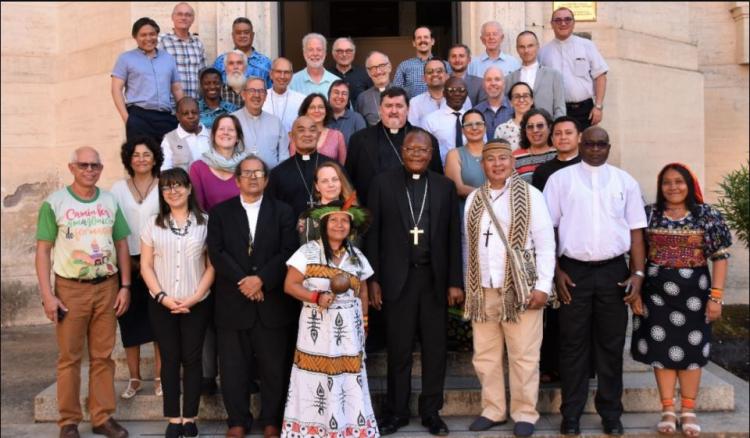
333, 146
209, 189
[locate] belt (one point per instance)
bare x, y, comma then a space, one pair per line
419, 265
578, 104
595, 262
96, 280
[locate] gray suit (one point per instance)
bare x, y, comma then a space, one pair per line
475, 87
549, 93
368, 104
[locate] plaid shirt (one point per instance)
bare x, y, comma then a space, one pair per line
410, 76
229, 95
190, 57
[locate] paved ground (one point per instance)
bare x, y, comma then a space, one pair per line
28, 364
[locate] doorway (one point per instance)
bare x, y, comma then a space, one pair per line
386, 26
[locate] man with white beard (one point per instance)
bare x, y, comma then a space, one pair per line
235, 63
313, 78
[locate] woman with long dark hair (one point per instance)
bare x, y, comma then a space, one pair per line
331, 141
178, 273
680, 298
521, 98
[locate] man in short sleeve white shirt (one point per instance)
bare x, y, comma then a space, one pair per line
599, 215
583, 69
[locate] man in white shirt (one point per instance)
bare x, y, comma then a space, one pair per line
281, 101
598, 212
583, 69
547, 83
368, 102
445, 123
491, 35
500, 314
189, 140
314, 78
435, 75
262, 133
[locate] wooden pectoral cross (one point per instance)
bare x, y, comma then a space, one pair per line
416, 231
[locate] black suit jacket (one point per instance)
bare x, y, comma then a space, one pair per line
362, 158
388, 238
275, 241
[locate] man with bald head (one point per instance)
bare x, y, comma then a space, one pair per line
292, 180
186, 48
598, 212
89, 233
491, 35
189, 140
445, 124
414, 248
281, 101
496, 109
368, 102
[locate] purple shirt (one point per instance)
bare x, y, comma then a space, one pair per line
209, 189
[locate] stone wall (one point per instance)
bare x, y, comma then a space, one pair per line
677, 89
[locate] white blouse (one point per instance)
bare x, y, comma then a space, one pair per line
511, 132
135, 214
179, 261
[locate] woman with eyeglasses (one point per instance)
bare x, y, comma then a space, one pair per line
681, 297
329, 184
137, 196
463, 164
331, 141
521, 98
213, 174
178, 273
536, 143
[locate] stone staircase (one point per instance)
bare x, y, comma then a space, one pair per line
462, 391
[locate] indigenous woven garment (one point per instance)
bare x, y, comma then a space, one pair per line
672, 333
328, 391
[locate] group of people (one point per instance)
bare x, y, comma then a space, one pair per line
267, 215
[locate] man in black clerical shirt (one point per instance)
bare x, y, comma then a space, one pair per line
566, 135
343, 51
414, 247
377, 148
292, 180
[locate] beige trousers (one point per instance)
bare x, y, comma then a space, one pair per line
91, 315
524, 340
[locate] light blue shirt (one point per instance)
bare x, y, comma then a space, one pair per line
264, 136
148, 81
506, 63
303, 83
423, 104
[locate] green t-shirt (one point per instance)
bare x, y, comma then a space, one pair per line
83, 233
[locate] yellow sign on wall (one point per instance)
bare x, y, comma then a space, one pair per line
583, 11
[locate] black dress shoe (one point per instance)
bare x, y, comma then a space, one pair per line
435, 425
189, 429
484, 423
391, 424
570, 426
613, 427
174, 430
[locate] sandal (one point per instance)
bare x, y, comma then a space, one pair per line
130, 391
667, 427
157, 387
691, 430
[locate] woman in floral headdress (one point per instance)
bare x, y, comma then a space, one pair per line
328, 275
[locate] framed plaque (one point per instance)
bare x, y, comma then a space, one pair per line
583, 11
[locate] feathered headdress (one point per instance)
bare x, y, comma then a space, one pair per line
360, 215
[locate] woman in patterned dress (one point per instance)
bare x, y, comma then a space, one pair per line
328, 390
680, 299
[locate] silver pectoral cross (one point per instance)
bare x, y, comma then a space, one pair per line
416, 231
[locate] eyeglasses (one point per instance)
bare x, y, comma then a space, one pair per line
536, 126
595, 144
378, 67
342, 93
258, 173
343, 51
259, 91
176, 187
473, 125
561, 20
434, 71
92, 166
525, 96
418, 151
452, 90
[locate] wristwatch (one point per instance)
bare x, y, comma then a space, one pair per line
640, 274
599, 107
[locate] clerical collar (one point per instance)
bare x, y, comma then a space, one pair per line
253, 116
532, 66
592, 169
304, 157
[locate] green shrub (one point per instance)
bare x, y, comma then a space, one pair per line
734, 203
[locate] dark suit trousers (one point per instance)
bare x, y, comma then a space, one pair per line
180, 339
580, 111
419, 309
596, 319
142, 122
273, 348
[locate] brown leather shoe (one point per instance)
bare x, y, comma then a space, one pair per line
111, 429
236, 432
271, 432
69, 431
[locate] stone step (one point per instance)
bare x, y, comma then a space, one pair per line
458, 364
462, 397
